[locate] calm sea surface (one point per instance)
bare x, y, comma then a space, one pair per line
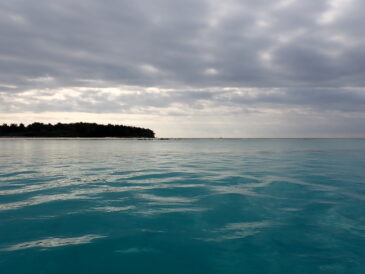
182, 206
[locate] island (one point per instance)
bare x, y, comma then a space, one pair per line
81, 130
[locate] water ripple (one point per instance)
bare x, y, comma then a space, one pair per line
54, 242
200, 206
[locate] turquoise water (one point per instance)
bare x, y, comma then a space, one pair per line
182, 206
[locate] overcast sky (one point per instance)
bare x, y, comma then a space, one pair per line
189, 68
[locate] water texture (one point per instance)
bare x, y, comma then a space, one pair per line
182, 206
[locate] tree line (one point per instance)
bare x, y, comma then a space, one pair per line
74, 130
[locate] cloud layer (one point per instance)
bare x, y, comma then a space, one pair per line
260, 62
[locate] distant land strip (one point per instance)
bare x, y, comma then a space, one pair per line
74, 130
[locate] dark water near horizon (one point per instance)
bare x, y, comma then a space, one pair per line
182, 206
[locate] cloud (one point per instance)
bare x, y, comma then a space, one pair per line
134, 100
180, 59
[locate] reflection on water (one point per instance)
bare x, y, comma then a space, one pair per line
182, 206
238, 230
114, 208
55, 242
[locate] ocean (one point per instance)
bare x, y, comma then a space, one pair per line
182, 206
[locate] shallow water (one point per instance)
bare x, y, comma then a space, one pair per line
182, 206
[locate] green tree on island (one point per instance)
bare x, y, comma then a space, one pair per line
74, 130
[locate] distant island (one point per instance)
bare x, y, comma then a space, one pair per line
91, 130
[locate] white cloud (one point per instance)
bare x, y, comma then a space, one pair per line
337, 8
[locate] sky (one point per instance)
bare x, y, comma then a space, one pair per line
187, 68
